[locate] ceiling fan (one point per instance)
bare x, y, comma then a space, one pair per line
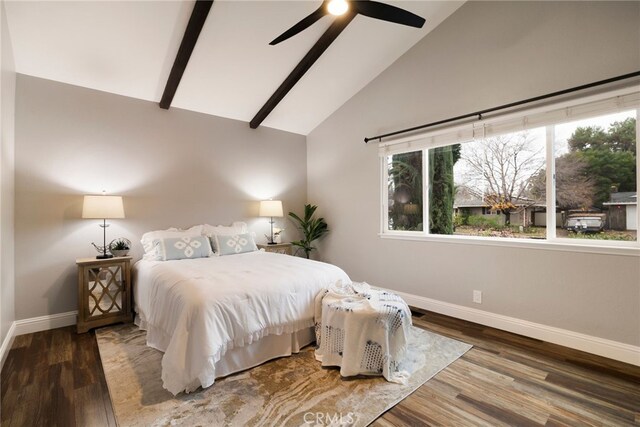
370, 8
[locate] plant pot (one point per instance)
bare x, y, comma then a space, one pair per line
118, 253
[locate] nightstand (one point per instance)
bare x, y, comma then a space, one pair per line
104, 292
278, 248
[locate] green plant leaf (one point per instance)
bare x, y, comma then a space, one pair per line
311, 228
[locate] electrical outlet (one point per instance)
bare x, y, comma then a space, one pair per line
477, 297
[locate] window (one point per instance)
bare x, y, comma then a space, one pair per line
564, 173
596, 177
404, 172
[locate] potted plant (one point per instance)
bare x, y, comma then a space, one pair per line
312, 228
120, 247
277, 235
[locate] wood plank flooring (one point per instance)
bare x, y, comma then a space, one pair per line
511, 380
55, 378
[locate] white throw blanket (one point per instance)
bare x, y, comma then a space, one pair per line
362, 330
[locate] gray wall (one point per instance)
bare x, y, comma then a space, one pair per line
485, 54
174, 168
7, 145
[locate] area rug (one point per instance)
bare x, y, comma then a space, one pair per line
290, 391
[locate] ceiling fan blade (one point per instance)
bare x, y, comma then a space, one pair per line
302, 25
386, 12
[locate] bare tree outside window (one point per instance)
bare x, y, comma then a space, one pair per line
574, 186
499, 170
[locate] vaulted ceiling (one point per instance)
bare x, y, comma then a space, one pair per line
128, 48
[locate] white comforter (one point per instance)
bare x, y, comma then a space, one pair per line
196, 310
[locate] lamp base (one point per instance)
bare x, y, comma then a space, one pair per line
271, 243
104, 256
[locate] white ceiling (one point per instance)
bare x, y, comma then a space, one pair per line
128, 48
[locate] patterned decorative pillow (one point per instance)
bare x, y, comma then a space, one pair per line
150, 238
233, 244
186, 247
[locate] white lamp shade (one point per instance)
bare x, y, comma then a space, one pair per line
102, 207
271, 208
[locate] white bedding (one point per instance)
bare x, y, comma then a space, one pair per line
196, 310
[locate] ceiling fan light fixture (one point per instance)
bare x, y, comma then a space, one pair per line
338, 7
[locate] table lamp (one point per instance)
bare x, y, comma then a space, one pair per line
271, 208
104, 208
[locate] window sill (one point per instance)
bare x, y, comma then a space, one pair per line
619, 248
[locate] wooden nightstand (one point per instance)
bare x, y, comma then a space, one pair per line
278, 248
104, 292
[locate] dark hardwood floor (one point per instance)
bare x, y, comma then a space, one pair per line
55, 378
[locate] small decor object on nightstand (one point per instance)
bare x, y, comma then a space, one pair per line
277, 234
120, 247
277, 248
104, 292
103, 207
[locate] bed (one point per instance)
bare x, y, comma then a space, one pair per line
217, 315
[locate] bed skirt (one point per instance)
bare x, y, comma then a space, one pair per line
249, 356
267, 348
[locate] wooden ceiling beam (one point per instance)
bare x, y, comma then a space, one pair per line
303, 66
191, 34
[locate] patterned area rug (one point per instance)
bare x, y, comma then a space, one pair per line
290, 391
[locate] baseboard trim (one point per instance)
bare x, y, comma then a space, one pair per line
602, 347
44, 323
7, 343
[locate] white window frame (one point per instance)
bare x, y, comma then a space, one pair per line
553, 114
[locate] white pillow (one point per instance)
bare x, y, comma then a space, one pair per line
237, 227
150, 237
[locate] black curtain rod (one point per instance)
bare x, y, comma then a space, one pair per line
505, 106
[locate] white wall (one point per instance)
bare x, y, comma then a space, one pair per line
7, 121
486, 54
174, 168
632, 217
